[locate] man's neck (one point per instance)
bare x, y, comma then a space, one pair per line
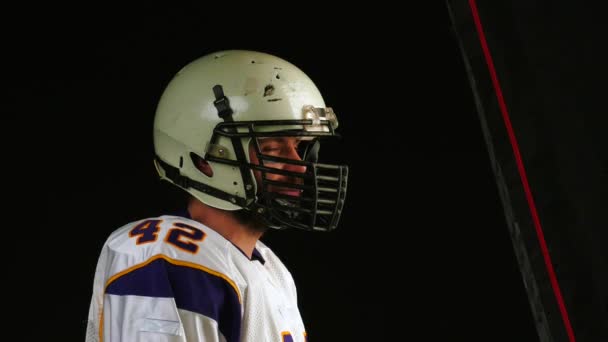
224, 223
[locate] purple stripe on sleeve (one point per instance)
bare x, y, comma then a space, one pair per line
193, 289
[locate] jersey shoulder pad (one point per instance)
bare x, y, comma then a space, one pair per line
176, 239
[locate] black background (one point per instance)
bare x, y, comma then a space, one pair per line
422, 251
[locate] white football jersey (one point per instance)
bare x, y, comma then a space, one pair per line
171, 278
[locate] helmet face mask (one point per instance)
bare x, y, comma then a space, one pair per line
224, 109
311, 197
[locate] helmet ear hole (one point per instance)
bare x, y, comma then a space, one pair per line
201, 164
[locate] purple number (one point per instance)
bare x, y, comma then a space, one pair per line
146, 231
184, 236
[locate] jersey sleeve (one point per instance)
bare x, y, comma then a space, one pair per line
154, 290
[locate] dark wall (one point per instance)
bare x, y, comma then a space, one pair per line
546, 61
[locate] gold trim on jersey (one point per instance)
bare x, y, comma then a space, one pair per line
179, 263
171, 261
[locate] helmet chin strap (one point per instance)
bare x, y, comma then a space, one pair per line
225, 112
176, 177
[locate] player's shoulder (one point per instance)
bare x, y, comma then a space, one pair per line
160, 256
175, 239
151, 229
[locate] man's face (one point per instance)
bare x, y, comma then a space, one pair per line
282, 147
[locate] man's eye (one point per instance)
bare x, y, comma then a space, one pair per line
270, 149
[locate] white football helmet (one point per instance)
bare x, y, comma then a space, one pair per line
219, 104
